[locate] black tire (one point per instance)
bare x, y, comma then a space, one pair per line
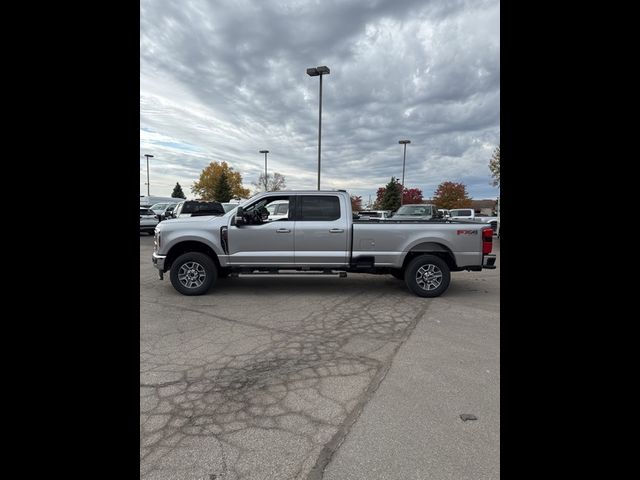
193, 273
399, 274
435, 277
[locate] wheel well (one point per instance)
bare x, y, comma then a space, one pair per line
189, 246
436, 249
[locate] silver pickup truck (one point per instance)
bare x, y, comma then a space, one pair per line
319, 235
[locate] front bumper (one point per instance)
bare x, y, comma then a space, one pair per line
489, 261
158, 261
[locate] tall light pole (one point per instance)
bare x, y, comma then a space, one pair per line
314, 72
404, 158
265, 168
148, 186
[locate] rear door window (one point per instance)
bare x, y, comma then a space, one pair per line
319, 208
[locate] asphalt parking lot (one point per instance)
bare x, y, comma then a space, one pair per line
297, 377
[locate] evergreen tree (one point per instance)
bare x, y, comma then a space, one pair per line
222, 190
391, 198
177, 192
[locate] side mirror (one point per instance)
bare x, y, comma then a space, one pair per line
239, 218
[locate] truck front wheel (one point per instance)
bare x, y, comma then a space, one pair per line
193, 273
427, 276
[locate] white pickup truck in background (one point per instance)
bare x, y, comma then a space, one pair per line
470, 215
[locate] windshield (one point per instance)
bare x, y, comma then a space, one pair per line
414, 210
158, 206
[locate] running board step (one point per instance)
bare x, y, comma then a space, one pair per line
327, 273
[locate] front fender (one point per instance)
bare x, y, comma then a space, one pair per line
171, 239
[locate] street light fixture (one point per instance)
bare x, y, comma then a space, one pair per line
265, 168
314, 72
404, 158
148, 186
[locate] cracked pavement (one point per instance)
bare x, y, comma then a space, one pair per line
262, 377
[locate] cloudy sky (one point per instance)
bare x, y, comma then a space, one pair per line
221, 80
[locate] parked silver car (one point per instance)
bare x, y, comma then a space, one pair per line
148, 220
160, 208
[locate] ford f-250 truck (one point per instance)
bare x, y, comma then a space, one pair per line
319, 235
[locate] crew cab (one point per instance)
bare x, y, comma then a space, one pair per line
318, 235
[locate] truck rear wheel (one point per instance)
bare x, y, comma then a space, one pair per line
427, 276
193, 273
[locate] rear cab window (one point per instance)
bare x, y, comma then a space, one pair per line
318, 208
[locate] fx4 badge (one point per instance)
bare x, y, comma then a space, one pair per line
466, 232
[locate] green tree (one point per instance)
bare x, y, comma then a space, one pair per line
177, 192
451, 195
494, 166
205, 187
391, 197
222, 189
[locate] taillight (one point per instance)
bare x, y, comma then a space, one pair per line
487, 240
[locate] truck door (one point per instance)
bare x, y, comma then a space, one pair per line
269, 243
321, 230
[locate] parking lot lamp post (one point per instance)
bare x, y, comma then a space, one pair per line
265, 168
314, 72
404, 158
148, 186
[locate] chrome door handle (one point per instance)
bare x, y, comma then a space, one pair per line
283, 230
336, 230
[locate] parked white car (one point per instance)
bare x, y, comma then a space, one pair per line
374, 214
148, 220
278, 210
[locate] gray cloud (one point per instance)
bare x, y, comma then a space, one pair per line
221, 80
